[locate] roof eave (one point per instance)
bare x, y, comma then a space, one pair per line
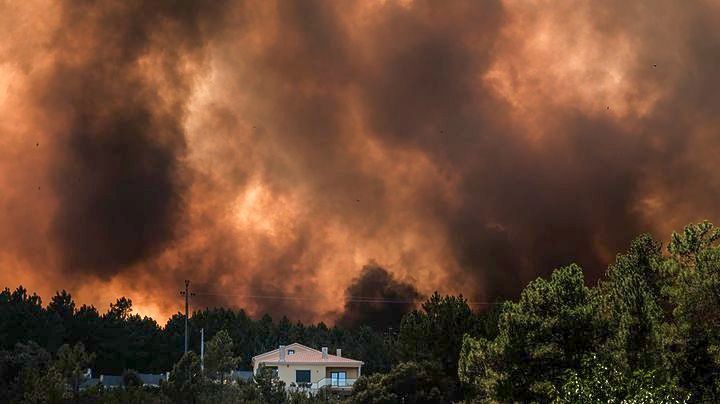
277, 363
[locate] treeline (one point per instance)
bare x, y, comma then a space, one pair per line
122, 340
648, 332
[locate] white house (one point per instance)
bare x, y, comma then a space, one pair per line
303, 367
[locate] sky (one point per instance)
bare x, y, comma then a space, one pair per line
326, 150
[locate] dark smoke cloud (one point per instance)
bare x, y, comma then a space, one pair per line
273, 148
119, 176
377, 299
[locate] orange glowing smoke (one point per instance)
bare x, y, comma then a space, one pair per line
274, 148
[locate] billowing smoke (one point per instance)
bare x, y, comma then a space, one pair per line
377, 299
118, 172
267, 150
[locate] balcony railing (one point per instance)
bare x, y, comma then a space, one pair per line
326, 382
335, 383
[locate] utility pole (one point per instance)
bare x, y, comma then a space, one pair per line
202, 349
187, 294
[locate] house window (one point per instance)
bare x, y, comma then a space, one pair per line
291, 352
302, 376
338, 379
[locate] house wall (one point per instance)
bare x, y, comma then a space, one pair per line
352, 373
286, 372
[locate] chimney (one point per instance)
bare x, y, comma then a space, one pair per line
282, 353
338, 353
324, 351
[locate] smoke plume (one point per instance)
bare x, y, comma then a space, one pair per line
267, 150
377, 299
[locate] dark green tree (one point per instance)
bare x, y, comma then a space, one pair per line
72, 363
219, 359
549, 332
272, 390
186, 380
601, 382
370, 346
436, 332
408, 382
240, 393
23, 318
633, 307
63, 306
694, 292
20, 371
43, 387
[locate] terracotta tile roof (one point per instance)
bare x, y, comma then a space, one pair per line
303, 354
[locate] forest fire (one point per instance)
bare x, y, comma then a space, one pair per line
269, 148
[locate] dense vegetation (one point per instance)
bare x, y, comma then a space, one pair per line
648, 332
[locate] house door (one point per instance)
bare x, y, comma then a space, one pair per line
338, 379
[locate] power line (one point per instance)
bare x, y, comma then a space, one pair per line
230, 284
352, 299
358, 299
